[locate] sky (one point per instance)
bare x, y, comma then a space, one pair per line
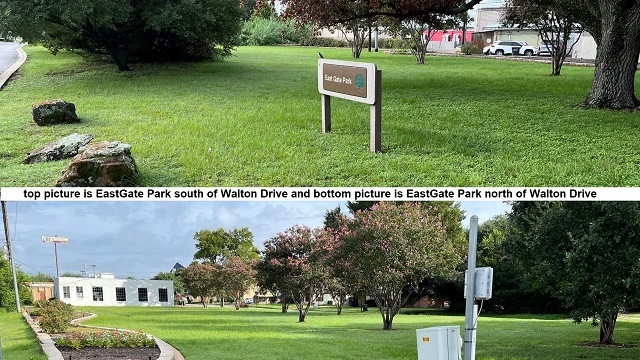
141, 239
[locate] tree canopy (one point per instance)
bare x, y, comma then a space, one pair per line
584, 253
394, 246
130, 30
214, 246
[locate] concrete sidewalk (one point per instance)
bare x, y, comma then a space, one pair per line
11, 58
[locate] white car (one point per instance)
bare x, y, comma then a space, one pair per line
248, 301
509, 47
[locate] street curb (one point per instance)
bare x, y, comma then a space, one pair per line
167, 352
22, 56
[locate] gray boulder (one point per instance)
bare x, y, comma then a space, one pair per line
104, 163
51, 112
60, 149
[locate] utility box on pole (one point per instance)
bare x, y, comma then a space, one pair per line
439, 343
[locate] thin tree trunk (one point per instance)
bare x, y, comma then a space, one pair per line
607, 325
616, 58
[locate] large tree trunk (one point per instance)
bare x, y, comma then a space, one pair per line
607, 325
617, 57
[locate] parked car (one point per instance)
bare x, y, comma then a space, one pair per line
509, 47
248, 301
545, 48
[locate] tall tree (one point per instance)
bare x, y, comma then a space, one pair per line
358, 15
202, 280
130, 30
554, 27
615, 27
214, 246
178, 284
237, 276
292, 264
586, 253
393, 246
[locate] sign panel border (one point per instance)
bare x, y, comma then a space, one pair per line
371, 80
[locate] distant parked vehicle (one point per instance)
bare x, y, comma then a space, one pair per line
508, 47
248, 301
545, 48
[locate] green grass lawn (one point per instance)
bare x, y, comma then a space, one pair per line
18, 340
254, 120
265, 333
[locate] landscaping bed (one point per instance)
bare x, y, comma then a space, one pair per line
110, 354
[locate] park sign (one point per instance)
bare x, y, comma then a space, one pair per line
361, 82
55, 239
348, 80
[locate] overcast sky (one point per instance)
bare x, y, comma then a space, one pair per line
141, 239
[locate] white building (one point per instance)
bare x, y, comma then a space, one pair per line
108, 291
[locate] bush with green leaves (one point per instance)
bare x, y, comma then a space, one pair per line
322, 42
54, 315
105, 339
259, 31
469, 49
130, 31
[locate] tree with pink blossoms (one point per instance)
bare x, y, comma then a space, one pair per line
202, 280
237, 275
392, 247
292, 264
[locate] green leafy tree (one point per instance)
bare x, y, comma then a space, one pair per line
554, 26
214, 246
393, 246
586, 253
40, 277
130, 30
7, 294
178, 284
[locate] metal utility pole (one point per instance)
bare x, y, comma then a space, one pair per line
5, 220
470, 312
94, 271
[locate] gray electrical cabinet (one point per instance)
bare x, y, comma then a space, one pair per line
439, 343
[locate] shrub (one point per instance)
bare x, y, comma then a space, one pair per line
469, 49
259, 31
322, 42
54, 315
105, 339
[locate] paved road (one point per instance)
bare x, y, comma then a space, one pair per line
8, 57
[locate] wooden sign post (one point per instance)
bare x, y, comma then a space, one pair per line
361, 82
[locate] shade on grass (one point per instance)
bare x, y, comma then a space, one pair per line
255, 120
265, 333
18, 340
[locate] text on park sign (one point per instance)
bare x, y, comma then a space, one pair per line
348, 80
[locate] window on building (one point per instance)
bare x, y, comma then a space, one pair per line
66, 292
143, 295
97, 294
79, 292
163, 295
121, 294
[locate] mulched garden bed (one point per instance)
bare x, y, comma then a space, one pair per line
111, 354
